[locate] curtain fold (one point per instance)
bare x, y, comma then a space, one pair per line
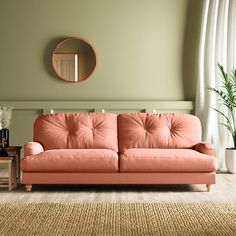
217, 45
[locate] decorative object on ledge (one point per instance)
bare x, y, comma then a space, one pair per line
73, 60
3, 152
5, 120
4, 136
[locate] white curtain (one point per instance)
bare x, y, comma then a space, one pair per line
217, 45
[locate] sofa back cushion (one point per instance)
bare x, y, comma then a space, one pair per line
148, 130
77, 131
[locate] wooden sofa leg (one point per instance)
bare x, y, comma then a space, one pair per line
28, 187
209, 187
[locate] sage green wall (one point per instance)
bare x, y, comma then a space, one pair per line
146, 49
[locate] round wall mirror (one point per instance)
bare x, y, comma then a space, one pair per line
73, 60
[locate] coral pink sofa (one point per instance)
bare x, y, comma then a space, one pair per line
105, 148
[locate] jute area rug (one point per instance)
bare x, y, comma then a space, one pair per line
118, 219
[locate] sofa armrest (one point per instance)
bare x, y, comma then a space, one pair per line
32, 148
205, 148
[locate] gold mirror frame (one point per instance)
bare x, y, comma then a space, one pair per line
73, 60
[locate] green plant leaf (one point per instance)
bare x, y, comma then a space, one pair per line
227, 97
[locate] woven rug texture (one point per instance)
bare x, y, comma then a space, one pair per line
118, 219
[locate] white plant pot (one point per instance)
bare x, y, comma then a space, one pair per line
230, 160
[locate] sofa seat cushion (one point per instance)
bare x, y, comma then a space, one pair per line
72, 160
166, 160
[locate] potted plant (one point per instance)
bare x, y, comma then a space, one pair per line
5, 120
227, 96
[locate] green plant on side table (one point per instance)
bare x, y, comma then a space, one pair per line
5, 120
227, 95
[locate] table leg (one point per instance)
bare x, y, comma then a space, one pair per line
14, 177
18, 167
10, 176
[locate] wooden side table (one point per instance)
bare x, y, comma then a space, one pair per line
14, 151
7, 181
14, 161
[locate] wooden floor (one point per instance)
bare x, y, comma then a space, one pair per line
223, 191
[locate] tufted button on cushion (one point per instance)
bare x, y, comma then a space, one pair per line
77, 131
147, 130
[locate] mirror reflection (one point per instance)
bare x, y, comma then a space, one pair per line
74, 60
